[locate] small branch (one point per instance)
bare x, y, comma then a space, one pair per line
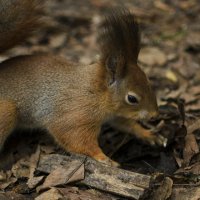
97, 175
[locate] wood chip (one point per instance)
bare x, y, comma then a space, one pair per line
100, 176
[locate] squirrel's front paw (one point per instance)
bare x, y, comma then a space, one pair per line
106, 160
154, 139
110, 162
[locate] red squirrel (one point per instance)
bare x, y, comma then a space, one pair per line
69, 100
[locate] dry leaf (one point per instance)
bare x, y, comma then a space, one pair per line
164, 191
163, 6
21, 168
152, 56
192, 169
73, 171
187, 193
52, 194
193, 126
12, 196
4, 185
33, 181
57, 41
191, 148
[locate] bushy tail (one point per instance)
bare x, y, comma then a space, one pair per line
18, 19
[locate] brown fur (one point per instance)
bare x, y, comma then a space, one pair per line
18, 18
73, 101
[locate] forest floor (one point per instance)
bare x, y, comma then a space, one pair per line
170, 55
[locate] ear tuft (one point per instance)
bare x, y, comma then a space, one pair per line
119, 40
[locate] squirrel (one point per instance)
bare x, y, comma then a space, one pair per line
69, 100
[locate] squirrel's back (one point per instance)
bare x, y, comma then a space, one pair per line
18, 18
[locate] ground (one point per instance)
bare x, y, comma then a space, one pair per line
170, 55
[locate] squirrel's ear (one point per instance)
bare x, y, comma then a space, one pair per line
116, 67
119, 40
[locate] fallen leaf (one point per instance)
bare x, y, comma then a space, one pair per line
33, 181
52, 194
4, 185
12, 196
193, 126
71, 172
21, 168
191, 148
163, 6
192, 169
152, 56
58, 40
164, 191
187, 193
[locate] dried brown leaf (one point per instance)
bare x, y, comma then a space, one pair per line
188, 193
193, 126
192, 169
21, 168
5, 184
73, 171
164, 191
52, 194
12, 196
152, 56
33, 181
191, 148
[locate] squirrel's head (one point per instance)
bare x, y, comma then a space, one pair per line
130, 91
132, 95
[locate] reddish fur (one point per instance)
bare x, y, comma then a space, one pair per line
69, 100
8, 119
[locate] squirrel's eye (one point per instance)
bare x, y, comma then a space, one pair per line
132, 99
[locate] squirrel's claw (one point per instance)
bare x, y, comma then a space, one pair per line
154, 139
162, 140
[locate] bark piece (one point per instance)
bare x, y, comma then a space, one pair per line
73, 193
100, 176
